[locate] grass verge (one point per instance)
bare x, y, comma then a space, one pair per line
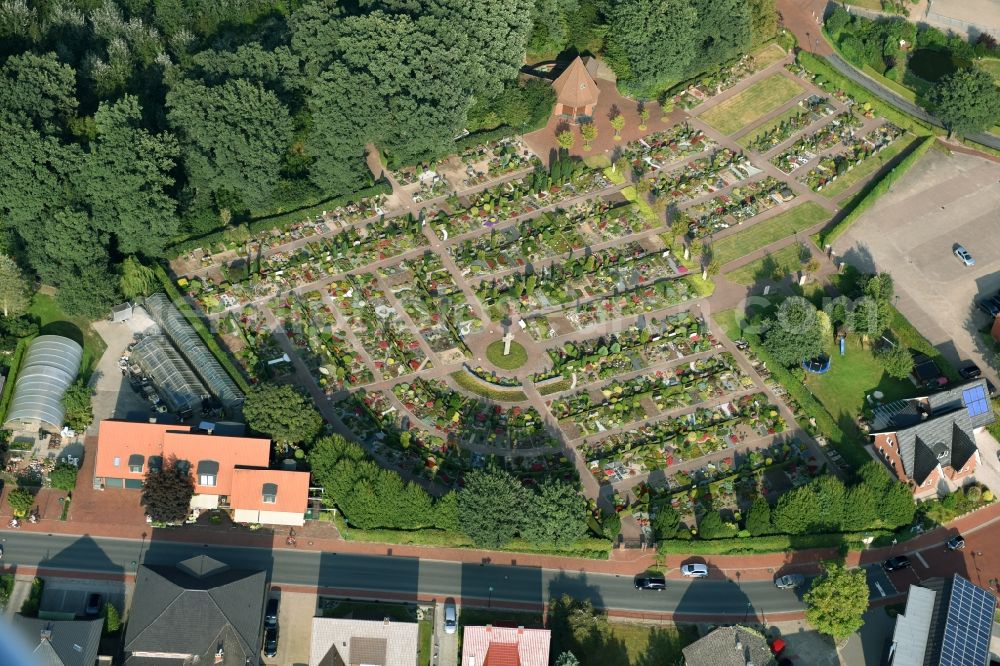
752, 104
762, 234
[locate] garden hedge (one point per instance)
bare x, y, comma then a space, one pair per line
199, 325
859, 205
774, 543
483, 136
15, 365
280, 220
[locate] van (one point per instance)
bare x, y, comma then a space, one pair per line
450, 616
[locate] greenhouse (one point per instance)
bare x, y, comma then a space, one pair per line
175, 382
49, 367
191, 346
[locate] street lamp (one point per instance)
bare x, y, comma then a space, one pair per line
489, 602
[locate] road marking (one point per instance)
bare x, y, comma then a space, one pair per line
878, 587
922, 560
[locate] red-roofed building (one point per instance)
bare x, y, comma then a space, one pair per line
229, 472
505, 646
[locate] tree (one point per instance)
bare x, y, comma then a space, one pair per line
967, 101
557, 515
566, 139
797, 511
635, 25
896, 506
167, 492
491, 507
794, 333
137, 279
643, 116
869, 318
711, 526
666, 523
861, 508
763, 22
589, 132
758, 521
446, 513
830, 493
282, 413
837, 601
112, 618
617, 123
20, 501
879, 286
15, 291
37, 89
722, 32
63, 477
76, 402
896, 360
567, 659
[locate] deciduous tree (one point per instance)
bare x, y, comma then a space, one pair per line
20, 501
967, 101
557, 515
758, 520
15, 290
634, 26
794, 333
167, 492
491, 507
837, 601
282, 413
63, 477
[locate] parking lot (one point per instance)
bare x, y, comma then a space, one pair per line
69, 595
910, 233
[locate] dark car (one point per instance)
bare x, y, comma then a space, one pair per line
271, 613
989, 307
789, 581
271, 642
957, 542
658, 583
896, 563
970, 371
93, 605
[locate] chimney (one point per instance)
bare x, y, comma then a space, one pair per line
520, 631
385, 621
489, 628
152, 419
210, 431
47, 633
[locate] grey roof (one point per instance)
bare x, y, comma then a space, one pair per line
730, 646
69, 642
194, 608
913, 627
48, 369
937, 429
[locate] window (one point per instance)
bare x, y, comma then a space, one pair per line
155, 463
208, 472
269, 493
135, 462
118, 461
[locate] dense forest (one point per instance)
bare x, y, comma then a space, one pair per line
128, 125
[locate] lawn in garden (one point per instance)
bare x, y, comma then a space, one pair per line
752, 104
518, 355
853, 376
868, 167
990, 65
785, 260
764, 233
53, 321
767, 56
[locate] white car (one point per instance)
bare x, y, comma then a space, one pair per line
694, 570
964, 256
450, 617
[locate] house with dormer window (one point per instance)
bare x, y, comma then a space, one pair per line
930, 441
229, 472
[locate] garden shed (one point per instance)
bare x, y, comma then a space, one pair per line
576, 92
49, 367
191, 346
175, 381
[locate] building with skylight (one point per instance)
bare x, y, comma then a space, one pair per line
930, 441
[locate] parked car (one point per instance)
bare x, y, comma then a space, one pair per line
694, 570
957, 542
789, 581
271, 642
450, 616
896, 563
989, 307
93, 605
970, 371
964, 256
271, 613
658, 583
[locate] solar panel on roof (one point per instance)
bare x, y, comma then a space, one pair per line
968, 625
975, 401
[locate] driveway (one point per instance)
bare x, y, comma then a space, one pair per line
69, 595
113, 396
445, 645
295, 616
910, 232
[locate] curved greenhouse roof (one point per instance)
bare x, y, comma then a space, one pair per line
49, 367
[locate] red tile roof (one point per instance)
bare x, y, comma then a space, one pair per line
496, 646
247, 493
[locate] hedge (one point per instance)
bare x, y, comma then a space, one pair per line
775, 543
483, 136
480, 387
280, 220
15, 365
825, 423
199, 325
875, 190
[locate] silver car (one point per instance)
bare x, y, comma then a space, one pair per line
964, 256
694, 570
450, 616
789, 581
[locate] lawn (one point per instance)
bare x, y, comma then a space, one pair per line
842, 390
53, 321
767, 56
517, 357
990, 65
752, 104
372, 610
868, 167
425, 635
646, 644
764, 233
787, 259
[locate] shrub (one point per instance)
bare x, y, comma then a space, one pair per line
30, 606
63, 477
20, 500
112, 619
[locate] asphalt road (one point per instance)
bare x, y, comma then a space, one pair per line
370, 576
